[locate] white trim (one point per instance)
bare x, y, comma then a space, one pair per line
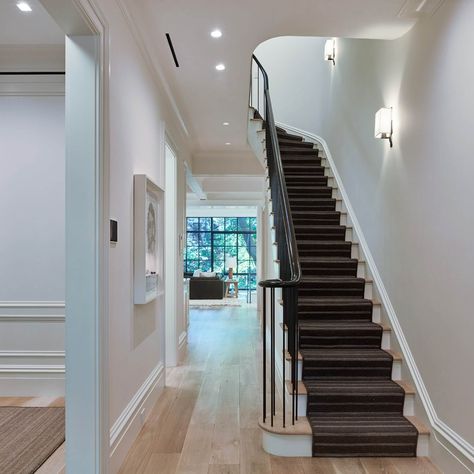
33, 318
457, 441
32, 304
39, 354
120, 439
37, 85
32, 311
31, 369
182, 339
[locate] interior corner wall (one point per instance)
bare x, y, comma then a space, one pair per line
32, 244
413, 201
139, 113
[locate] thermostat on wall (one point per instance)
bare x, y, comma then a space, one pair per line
113, 231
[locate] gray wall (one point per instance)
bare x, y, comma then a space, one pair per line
32, 205
414, 202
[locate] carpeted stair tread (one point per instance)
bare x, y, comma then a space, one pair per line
323, 248
298, 150
334, 309
361, 435
352, 362
323, 260
356, 395
339, 334
289, 136
283, 142
339, 326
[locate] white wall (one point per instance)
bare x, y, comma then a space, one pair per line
139, 113
32, 240
413, 201
295, 81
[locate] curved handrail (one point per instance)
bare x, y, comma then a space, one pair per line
291, 246
290, 268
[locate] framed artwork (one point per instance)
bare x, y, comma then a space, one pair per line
148, 218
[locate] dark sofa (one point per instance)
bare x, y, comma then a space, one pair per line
206, 288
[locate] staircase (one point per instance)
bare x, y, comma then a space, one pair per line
351, 403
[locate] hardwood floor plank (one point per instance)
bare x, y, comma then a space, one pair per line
171, 439
281, 465
56, 463
205, 421
162, 463
253, 459
223, 469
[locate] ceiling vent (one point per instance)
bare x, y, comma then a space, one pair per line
173, 53
419, 8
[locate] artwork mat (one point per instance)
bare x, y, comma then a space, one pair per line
146, 286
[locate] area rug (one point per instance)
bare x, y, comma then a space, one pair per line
215, 303
28, 437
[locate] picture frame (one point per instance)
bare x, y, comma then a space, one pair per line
148, 242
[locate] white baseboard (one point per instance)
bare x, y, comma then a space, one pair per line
454, 444
182, 345
128, 425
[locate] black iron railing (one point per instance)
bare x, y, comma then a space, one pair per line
290, 269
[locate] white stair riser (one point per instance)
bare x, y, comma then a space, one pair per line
287, 445
368, 290
376, 313
423, 446
355, 251
361, 270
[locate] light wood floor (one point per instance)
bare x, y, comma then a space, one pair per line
56, 463
206, 418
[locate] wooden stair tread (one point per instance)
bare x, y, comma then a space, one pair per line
419, 425
301, 426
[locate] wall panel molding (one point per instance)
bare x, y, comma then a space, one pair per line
32, 311
32, 85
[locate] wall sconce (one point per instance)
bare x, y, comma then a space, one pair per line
384, 124
330, 51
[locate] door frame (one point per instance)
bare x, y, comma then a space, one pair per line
171, 320
87, 214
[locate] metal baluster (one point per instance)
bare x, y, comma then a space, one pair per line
264, 337
284, 381
272, 344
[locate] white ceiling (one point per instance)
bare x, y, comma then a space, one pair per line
206, 97
35, 27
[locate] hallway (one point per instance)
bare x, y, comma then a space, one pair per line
206, 418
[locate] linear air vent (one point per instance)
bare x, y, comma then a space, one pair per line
170, 44
419, 8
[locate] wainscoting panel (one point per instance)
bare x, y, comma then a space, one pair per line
32, 348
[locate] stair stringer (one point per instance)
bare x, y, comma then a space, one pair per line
460, 450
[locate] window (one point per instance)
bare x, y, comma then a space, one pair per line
211, 239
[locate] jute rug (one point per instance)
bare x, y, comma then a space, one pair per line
28, 437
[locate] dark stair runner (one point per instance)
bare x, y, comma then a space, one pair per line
354, 407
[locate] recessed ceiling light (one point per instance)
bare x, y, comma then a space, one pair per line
216, 33
228, 143
220, 67
24, 7
225, 123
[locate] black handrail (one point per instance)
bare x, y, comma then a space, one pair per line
290, 268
